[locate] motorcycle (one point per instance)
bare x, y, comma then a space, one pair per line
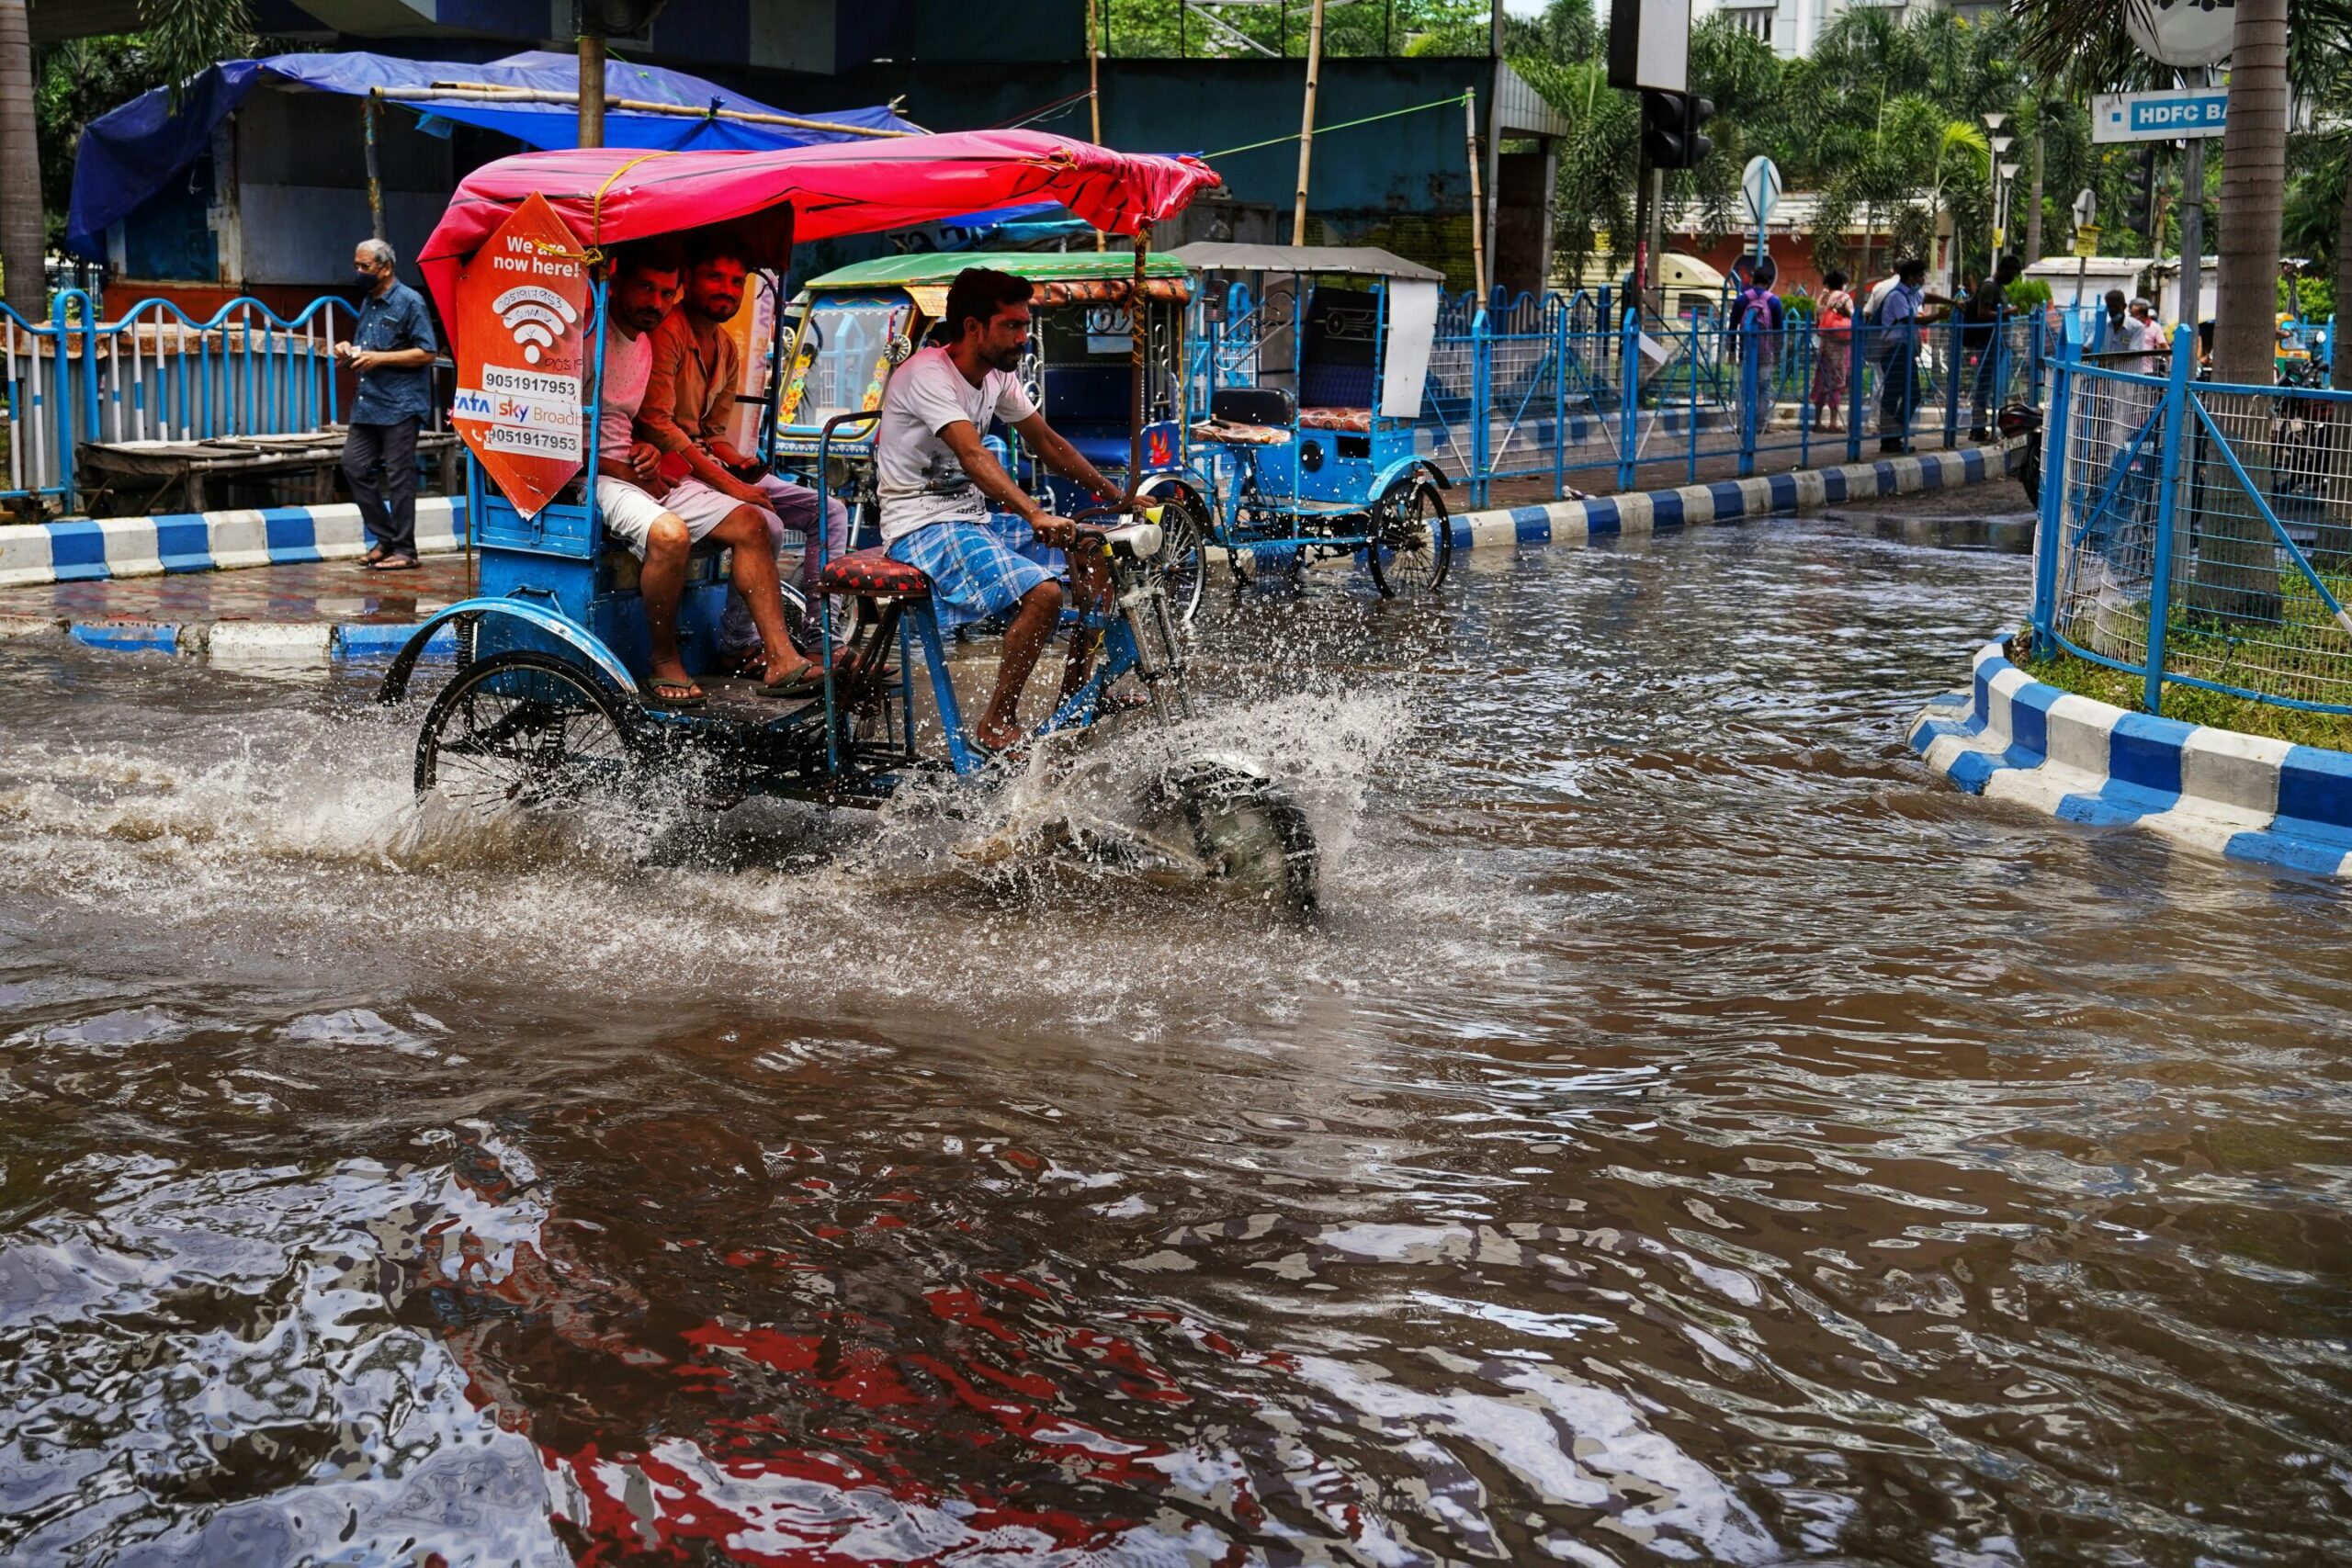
2024, 419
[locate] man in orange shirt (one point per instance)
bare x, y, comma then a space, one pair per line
690, 403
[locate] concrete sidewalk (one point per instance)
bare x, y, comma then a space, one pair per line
315, 610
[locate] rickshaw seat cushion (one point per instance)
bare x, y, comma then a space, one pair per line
1356, 420
872, 574
1252, 405
1240, 435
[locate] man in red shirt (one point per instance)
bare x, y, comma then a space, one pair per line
690, 406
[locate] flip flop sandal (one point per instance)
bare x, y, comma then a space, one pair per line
751, 664
674, 695
395, 563
807, 681
1010, 752
375, 553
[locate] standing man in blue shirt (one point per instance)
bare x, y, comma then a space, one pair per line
1900, 317
392, 350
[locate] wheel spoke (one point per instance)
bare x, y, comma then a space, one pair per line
522, 730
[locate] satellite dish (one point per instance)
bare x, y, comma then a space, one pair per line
2183, 32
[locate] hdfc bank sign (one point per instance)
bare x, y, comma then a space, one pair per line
523, 319
2159, 115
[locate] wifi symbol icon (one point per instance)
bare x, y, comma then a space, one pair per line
536, 317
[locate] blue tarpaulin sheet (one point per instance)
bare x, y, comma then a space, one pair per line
127, 155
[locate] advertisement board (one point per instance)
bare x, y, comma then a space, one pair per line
522, 350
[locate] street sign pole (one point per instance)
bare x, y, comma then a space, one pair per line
2085, 210
1760, 184
2192, 221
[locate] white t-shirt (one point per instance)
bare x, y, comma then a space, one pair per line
629, 365
917, 478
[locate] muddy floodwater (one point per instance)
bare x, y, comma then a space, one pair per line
1693, 1133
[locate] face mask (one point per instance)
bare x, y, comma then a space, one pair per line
366, 279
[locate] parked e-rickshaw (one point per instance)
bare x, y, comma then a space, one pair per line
859, 323
1315, 457
547, 703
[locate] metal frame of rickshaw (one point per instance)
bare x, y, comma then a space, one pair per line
1168, 475
547, 585
1306, 486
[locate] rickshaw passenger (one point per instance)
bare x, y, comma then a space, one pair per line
690, 403
659, 522
937, 484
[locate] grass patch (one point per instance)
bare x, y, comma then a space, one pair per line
2190, 704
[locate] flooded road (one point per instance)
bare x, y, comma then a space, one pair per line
1693, 1134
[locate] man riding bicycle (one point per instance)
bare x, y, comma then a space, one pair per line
951, 510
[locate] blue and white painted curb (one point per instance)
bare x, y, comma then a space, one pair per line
2013, 738
35, 554
1726, 501
267, 644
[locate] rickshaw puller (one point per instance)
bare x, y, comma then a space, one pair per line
690, 403
936, 482
661, 523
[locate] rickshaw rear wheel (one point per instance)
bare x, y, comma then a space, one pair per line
525, 728
1412, 541
1250, 837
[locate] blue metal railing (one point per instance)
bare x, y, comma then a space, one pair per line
1549, 388
155, 373
2196, 533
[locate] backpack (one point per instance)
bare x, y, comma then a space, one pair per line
1876, 305
1755, 309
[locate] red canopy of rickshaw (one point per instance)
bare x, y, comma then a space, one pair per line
610, 194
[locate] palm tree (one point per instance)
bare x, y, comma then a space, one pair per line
23, 283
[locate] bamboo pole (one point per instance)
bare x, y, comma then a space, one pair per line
371, 114
1306, 124
491, 90
1477, 194
590, 99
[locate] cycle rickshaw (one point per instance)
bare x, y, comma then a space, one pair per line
547, 705
1313, 454
858, 323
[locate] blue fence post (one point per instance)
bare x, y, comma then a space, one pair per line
2037, 350
1858, 361
2055, 480
1955, 364
1809, 368
1690, 435
1629, 396
63, 405
94, 428
2176, 413
1560, 341
1748, 394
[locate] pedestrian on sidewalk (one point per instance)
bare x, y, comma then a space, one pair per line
1834, 349
1900, 316
1982, 317
1760, 312
392, 350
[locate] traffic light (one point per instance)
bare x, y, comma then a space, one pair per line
1671, 122
2140, 201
